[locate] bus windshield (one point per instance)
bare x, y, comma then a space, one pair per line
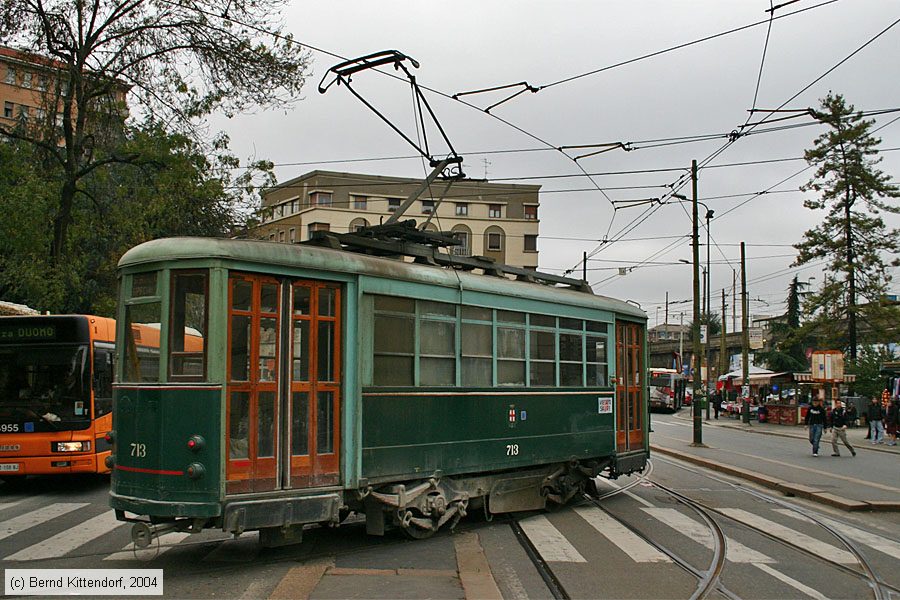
48, 386
664, 380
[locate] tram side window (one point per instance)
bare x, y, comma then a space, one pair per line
511, 356
571, 371
437, 343
597, 367
187, 327
394, 341
142, 342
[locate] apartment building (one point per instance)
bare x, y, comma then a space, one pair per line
499, 221
31, 86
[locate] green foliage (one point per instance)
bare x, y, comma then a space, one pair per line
788, 339
175, 189
867, 366
175, 62
852, 237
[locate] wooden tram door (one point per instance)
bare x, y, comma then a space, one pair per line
313, 435
629, 386
283, 414
254, 304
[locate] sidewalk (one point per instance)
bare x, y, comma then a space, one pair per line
779, 457
856, 435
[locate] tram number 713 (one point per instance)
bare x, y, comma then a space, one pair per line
512, 449
139, 450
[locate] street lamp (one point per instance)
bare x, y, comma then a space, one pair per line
707, 284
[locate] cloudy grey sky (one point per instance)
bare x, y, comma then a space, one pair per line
706, 88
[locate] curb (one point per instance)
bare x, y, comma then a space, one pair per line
785, 487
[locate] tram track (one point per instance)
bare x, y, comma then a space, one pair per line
881, 590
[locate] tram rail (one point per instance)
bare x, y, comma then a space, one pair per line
881, 590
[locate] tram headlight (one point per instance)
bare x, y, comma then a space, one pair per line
110, 437
196, 443
70, 446
195, 470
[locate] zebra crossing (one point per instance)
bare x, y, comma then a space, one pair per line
553, 545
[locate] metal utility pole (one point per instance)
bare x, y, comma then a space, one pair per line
667, 308
723, 346
745, 340
709, 215
695, 333
584, 266
733, 300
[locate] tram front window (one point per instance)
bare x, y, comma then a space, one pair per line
46, 386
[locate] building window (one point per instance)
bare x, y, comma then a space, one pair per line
464, 248
495, 211
358, 225
24, 112
462, 209
26, 80
360, 202
530, 243
42, 83
293, 236
10, 76
427, 207
531, 213
293, 206
495, 242
313, 227
320, 199
272, 237
279, 211
8, 110
393, 204
281, 236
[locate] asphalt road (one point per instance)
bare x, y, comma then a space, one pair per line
629, 547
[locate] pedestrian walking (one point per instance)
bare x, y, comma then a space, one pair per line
815, 422
717, 402
893, 421
839, 429
875, 415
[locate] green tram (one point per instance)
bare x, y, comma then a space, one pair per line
292, 384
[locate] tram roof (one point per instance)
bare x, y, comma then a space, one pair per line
327, 259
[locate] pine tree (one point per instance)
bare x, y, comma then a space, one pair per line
852, 236
787, 353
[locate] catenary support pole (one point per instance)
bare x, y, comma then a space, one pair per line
695, 329
745, 340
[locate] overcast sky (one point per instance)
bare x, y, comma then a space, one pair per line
706, 88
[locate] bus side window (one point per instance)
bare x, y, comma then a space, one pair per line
103, 376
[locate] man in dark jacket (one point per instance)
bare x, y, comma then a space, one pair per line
839, 429
875, 415
815, 422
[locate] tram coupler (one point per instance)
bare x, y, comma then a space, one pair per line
142, 533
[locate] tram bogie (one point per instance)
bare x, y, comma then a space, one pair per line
326, 382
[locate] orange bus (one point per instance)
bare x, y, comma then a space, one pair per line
56, 376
